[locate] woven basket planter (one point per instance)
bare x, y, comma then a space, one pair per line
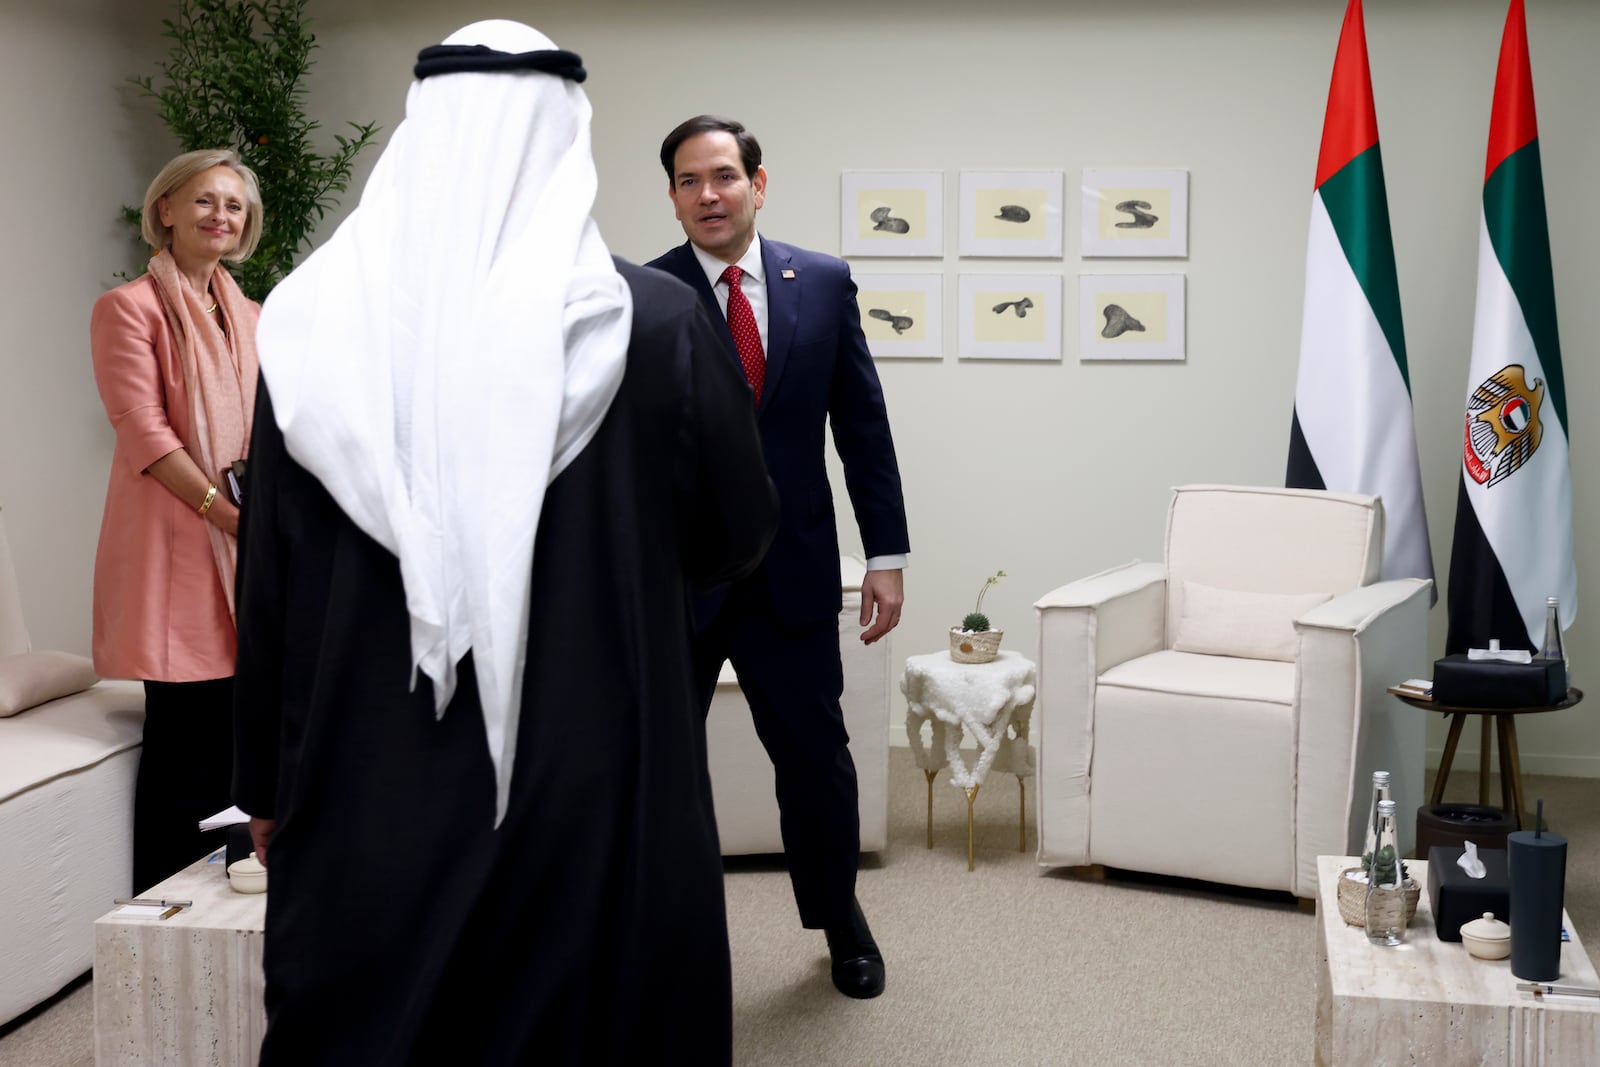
979, 647
1353, 898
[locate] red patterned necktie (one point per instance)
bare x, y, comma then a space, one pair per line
742, 324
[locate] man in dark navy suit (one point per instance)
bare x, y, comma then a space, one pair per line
793, 327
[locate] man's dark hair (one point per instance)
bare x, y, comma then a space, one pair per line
749, 147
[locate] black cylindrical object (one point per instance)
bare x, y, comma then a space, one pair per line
1537, 870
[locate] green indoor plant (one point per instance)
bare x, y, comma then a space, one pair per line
235, 78
1382, 869
976, 640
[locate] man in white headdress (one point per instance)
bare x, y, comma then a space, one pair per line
490, 462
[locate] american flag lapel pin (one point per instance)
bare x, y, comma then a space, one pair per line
786, 273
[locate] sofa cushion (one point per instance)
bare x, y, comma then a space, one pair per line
33, 678
68, 735
1232, 622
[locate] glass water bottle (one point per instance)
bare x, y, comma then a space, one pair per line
1553, 649
1380, 791
1386, 894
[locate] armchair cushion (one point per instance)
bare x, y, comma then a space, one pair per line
1269, 541
1232, 622
1188, 674
33, 678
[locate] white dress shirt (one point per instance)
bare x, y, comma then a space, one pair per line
754, 283
754, 286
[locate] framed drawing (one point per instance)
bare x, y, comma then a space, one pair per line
1010, 316
902, 315
892, 213
1011, 213
1135, 212
1130, 316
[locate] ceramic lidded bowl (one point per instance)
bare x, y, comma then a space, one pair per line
1487, 938
247, 875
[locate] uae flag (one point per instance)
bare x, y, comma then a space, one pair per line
1513, 540
1353, 430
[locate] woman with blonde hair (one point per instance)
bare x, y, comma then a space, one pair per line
175, 363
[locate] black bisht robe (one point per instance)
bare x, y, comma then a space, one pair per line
590, 927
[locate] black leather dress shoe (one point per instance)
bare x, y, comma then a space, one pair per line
857, 963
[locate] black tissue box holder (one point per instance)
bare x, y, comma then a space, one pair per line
1489, 683
1454, 898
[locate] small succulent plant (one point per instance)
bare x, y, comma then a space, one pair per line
976, 621
1381, 871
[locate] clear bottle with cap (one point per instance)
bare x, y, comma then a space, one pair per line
1553, 648
1380, 791
1386, 893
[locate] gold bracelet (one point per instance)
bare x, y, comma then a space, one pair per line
211, 497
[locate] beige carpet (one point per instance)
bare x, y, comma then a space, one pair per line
1010, 964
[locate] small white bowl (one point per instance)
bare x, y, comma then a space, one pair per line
1487, 938
247, 876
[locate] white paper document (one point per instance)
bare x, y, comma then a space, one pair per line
229, 817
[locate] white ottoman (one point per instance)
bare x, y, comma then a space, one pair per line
741, 774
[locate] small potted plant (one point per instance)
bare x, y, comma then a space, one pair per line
975, 640
1352, 895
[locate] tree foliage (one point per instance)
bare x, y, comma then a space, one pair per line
235, 78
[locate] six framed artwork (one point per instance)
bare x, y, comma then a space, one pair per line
1125, 213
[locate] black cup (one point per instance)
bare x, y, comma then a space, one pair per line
1537, 871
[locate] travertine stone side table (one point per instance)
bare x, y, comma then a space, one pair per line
1429, 1001
184, 990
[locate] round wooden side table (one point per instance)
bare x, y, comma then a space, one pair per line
1505, 721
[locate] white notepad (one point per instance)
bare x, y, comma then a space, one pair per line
227, 817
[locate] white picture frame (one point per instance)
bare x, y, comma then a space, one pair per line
1135, 212
1010, 316
888, 300
1131, 317
1015, 213
891, 213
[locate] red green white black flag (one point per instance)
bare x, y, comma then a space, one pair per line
1513, 536
1353, 429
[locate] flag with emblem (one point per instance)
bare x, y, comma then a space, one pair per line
1352, 430
1513, 540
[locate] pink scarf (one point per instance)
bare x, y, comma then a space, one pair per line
219, 372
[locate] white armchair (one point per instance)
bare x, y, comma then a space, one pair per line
743, 789
1219, 716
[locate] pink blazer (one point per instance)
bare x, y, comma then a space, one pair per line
159, 609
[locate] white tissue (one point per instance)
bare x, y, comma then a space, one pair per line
1470, 862
1504, 655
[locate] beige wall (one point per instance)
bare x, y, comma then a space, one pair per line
1050, 471
75, 149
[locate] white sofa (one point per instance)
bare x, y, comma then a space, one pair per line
742, 784
66, 812
1218, 715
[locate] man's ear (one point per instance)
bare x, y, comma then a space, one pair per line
672, 194
759, 185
